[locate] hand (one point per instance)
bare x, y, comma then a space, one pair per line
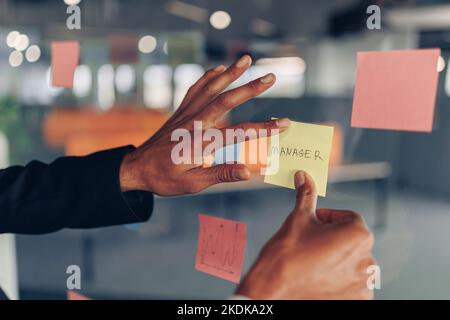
321, 254
150, 167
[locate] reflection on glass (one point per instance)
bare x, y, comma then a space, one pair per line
185, 75
157, 86
53, 91
447, 79
289, 72
105, 84
32, 90
125, 78
83, 81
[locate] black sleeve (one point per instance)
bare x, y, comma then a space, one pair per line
71, 192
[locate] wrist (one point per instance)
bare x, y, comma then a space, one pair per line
130, 174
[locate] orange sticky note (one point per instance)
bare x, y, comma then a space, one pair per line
221, 247
72, 295
65, 58
396, 90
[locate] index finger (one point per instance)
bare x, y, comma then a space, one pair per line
220, 83
231, 99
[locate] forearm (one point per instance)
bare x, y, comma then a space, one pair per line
71, 192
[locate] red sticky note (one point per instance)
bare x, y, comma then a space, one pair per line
221, 247
396, 90
65, 58
72, 295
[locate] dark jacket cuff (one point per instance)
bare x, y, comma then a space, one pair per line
114, 207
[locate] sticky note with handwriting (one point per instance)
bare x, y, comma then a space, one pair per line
304, 147
396, 90
65, 58
221, 247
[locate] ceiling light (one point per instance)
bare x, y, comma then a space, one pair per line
15, 58
22, 42
147, 44
220, 20
125, 78
11, 38
33, 53
166, 47
72, 2
82, 82
289, 65
440, 64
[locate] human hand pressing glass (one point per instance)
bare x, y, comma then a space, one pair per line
316, 254
151, 168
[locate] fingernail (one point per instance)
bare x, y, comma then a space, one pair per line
219, 68
243, 61
240, 174
283, 123
268, 78
299, 179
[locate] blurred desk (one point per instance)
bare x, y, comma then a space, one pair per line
338, 174
378, 172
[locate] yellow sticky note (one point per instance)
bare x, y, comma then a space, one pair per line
304, 147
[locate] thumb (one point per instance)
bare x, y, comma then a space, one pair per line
306, 195
226, 173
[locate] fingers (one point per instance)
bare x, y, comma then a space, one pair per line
231, 99
306, 196
195, 89
215, 86
220, 174
342, 218
254, 130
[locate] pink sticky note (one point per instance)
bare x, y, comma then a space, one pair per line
72, 295
396, 90
65, 58
221, 247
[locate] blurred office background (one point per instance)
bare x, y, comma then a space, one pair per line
139, 57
